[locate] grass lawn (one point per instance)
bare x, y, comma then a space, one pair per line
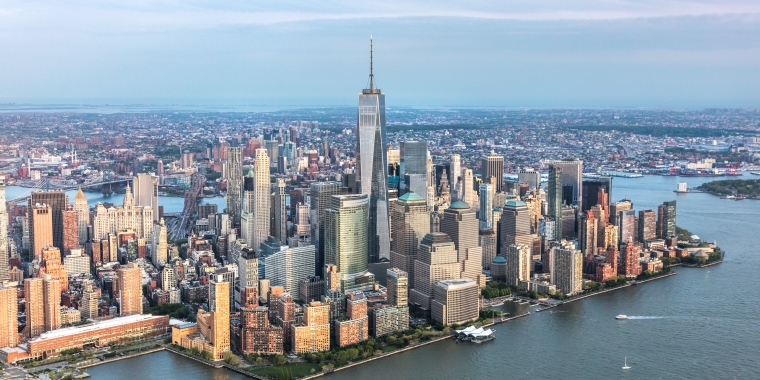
291, 370
388, 348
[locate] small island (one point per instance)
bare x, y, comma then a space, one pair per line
733, 188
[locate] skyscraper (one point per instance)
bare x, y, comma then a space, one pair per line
486, 206
346, 242
130, 289
518, 258
413, 157
398, 287
590, 192
531, 177
261, 185
469, 194
567, 268
35, 306
247, 221
288, 266
145, 187
411, 222
160, 244
437, 260
554, 199
461, 224
83, 215
372, 167
57, 201
493, 167
51, 301
4, 252
70, 229
666, 219
626, 226
514, 226
455, 170
320, 194
647, 225
235, 183
89, 305
8, 316
280, 212
572, 175
219, 308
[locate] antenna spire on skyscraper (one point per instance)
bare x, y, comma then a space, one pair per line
371, 76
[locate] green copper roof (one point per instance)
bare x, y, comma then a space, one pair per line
410, 197
515, 204
499, 260
250, 171
459, 205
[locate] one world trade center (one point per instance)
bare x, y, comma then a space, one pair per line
371, 166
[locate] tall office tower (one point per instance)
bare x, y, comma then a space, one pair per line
89, 305
51, 300
235, 184
145, 188
554, 199
626, 226
83, 215
40, 229
35, 306
460, 222
593, 190
486, 206
8, 317
531, 177
493, 166
205, 210
666, 219
394, 156
4, 251
519, 260
398, 287
630, 254
600, 214
50, 263
610, 236
572, 175
70, 230
261, 209
130, 289
436, 260
248, 275
320, 194
567, 268
160, 167
588, 234
514, 226
568, 222
469, 194
314, 334
272, 148
288, 266
410, 222
280, 212
219, 308
455, 170
455, 301
647, 225
372, 168
616, 207
487, 241
414, 155
247, 221
57, 201
346, 243
302, 229
160, 244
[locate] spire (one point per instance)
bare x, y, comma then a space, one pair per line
371, 76
80, 194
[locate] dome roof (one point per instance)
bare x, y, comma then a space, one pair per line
410, 197
459, 205
499, 260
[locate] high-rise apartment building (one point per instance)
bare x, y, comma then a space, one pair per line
51, 264
8, 316
35, 306
235, 184
519, 261
145, 186
288, 266
4, 251
346, 243
554, 200
626, 220
130, 289
666, 220
219, 310
70, 230
410, 222
493, 167
256, 335
647, 225
247, 220
248, 277
588, 238
261, 209
89, 305
355, 327
160, 244
280, 208
615, 209
51, 301
398, 287
314, 334
567, 268
372, 168
320, 194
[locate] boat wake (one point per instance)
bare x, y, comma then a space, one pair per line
643, 317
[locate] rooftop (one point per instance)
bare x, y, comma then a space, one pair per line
95, 326
459, 205
410, 197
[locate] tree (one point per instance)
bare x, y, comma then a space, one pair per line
207, 355
352, 354
278, 359
231, 358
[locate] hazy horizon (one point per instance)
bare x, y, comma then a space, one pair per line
523, 54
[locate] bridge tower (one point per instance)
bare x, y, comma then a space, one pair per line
106, 188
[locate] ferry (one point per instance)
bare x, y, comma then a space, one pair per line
621, 316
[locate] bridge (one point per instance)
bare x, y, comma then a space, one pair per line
45, 185
179, 226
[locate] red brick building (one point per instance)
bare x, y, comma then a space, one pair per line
354, 328
256, 335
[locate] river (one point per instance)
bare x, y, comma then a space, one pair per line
701, 323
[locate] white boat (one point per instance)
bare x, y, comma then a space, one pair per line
625, 363
621, 316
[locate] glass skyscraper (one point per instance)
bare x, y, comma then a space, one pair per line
372, 167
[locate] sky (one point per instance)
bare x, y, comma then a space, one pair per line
527, 53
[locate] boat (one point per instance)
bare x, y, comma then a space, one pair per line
621, 316
625, 363
498, 304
